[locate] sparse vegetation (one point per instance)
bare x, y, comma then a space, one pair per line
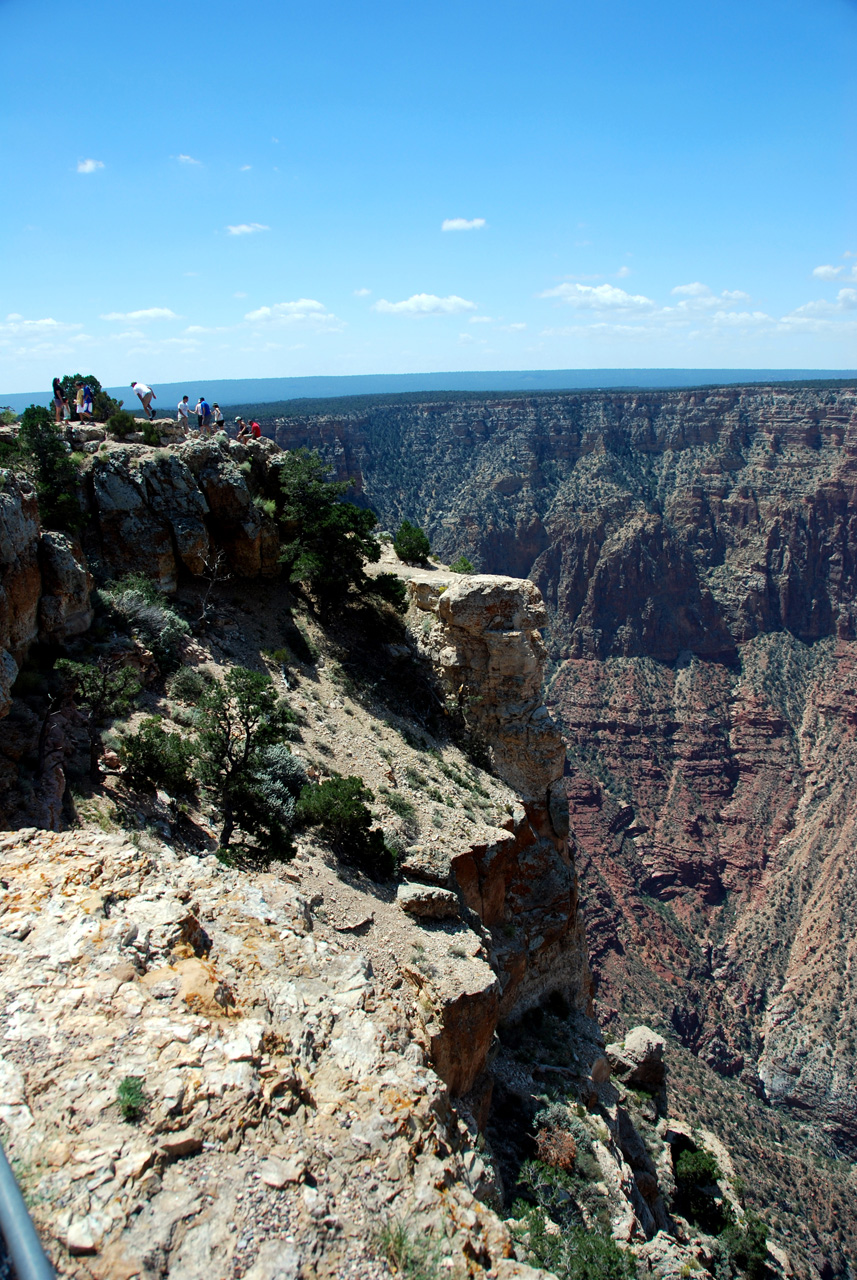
408, 1255
338, 808
462, 565
57, 477
157, 758
120, 424
102, 691
131, 1097
143, 609
410, 544
246, 767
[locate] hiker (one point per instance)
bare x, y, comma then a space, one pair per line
146, 395
182, 410
243, 430
198, 412
218, 417
203, 410
83, 402
60, 402
255, 431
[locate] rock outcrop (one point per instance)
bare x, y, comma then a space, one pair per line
484, 642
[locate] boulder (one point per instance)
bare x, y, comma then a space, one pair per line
428, 902
639, 1061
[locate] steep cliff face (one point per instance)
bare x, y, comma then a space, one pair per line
696, 553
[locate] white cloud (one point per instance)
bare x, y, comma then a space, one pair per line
16, 324
602, 297
695, 290
183, 159
244, 168
740, 318
480, 320
89, 166
827, 272
362, 293
301, 311
846, 300
247, 228
426, 304
514, 328
735, 295
239, 295
462, 224
148, 313
623, 272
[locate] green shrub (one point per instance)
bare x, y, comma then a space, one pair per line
390, 587
153, 757
121, 424
462, 565
338, 808
325, 541
696, 1175
241, 723
151, 434
103, 405
57, 477
137, 601
748, 1249
131, 1098
188, 684
411, 544
266, 505
409, 1255
102, 692
7, 417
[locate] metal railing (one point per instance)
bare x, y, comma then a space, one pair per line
25, 1258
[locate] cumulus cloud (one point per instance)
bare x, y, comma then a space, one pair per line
301, 311
89, 166
247, 228
827, 272
695, 290
846, 300
183, 159
462, 224
735, 295
426, 304
602, 297
148, 313
362, 293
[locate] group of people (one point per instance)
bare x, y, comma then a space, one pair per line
82, 402
209, 418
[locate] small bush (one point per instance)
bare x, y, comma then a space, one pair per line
267, 506
188, 684
696, 1175
338, 808
138, 602
153, 757
411, 544
408, 1255
151, 434
390, 587
462, 565
131, 1098
121, 424
748, 1249
556, 1148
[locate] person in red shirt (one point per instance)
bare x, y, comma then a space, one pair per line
255, 430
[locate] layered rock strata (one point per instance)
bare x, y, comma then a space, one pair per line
483, 639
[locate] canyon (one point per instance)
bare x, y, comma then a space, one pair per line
667, 580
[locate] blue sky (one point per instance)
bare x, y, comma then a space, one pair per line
216, 190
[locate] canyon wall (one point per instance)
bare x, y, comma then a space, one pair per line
696, 552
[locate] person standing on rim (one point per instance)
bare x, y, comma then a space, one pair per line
183, 409
60, 402
198, 412
204, 409
145, 395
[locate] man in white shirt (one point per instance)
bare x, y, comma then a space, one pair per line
146, 396
181, 415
